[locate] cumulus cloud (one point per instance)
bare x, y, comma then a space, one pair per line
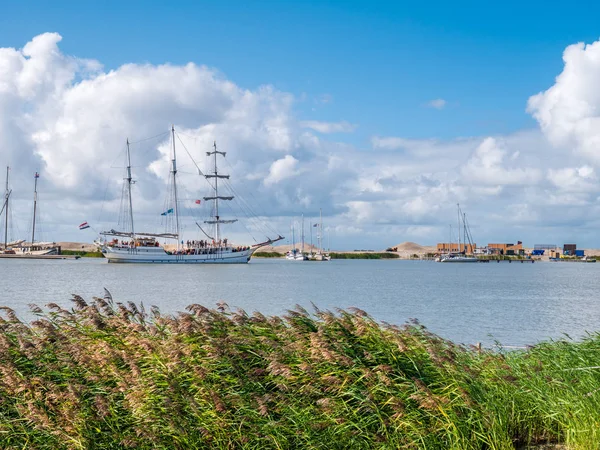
281, 169
490, 166
69, 118
569, 111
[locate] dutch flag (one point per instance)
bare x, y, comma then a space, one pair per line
83, 226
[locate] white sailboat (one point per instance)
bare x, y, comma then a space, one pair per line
145, 248
320, 254
294, 254
461, 256
21, 247
291, 255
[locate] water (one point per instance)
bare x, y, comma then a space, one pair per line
515, 304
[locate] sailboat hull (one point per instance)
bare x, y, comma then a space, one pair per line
157, 255
459, 259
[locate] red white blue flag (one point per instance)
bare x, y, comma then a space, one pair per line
83, 226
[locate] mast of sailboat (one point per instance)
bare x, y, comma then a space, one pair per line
217, 197
36, 176
6, 195
293, 239
465, 236
458, 212
174, 172
217, 234
129, 182
320, 235
302, 246
310, 226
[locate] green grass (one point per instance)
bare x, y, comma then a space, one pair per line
268, 255
82, 253
382, 255
105, 375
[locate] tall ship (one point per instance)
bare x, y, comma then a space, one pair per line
21, 247
132, 246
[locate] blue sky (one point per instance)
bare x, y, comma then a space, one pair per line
395, 168
380, 62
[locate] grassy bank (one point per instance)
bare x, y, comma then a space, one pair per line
106, 375
83, 254
382, 255
268, 255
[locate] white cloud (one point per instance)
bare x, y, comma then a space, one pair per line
488, 166
569, 111
69, 118
281, 169
438, 103
328, 127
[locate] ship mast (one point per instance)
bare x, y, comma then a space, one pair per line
174, 172
36, 176
6, 196
216, 197
320, 235
458, 211
129, 182
302, 246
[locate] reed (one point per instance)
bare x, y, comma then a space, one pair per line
106, 375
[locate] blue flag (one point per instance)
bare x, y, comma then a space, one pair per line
168, 211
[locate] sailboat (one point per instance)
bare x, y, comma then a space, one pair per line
143, 247
291, 255
320, 255
21, 247
294, 254
461, 256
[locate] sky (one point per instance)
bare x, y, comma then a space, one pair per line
385, 115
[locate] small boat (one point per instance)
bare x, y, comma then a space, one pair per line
458, 258
319, 255
20, 247
294, 254
461, 256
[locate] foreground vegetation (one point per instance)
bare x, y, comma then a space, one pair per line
268, 255
110, 376
82, 253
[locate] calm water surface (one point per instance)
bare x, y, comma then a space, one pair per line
515, 304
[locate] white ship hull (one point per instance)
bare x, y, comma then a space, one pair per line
157, 255
36, 251
320, 257
459, 259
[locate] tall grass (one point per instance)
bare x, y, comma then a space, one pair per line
105, 375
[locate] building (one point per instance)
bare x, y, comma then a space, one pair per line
506, 249
453, 247
545, 247
569, 249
